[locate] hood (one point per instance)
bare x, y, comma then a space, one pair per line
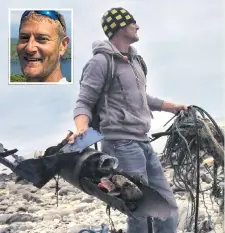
107, 47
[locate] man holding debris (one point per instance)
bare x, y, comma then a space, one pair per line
125, 118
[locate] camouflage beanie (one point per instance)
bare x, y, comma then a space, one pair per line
115, 19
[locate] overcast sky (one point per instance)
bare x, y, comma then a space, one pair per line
181, 41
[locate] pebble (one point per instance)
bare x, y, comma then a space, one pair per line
4, 218
31, 197
21, 218
65, 190
206, 178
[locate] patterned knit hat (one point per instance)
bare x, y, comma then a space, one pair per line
115, 19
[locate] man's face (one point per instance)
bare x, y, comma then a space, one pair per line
130, 33
38, 48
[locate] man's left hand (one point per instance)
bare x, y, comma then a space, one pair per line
173, 108
179, 107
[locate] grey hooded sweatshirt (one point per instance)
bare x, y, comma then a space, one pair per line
129, 106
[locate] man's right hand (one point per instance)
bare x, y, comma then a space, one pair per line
81, 123
76, 134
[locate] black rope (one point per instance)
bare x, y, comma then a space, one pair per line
57, 189
96, 146
198, 172
111, 223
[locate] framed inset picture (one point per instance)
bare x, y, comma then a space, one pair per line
40, 46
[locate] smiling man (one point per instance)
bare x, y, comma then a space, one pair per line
42, 42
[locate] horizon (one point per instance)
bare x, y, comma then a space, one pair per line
158, 145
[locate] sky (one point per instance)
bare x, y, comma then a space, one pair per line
182, 43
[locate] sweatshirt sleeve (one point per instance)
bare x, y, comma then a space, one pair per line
155, 104
91, 86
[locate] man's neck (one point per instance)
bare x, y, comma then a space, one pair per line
121, 45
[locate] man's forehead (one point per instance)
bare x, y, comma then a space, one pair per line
41, 26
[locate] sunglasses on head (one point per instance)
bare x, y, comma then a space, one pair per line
51, 14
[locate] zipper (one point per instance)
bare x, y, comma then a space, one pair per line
137, 79
135, 73
136, 76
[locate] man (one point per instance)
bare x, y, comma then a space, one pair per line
126, 120
41, 44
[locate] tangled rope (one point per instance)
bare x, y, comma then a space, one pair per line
193, 137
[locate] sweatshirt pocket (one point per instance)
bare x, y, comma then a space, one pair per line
135, 122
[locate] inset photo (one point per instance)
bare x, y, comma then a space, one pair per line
40, 46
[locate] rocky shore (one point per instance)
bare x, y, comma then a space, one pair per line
24, 208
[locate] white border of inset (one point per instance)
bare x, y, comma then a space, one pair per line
9, 46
